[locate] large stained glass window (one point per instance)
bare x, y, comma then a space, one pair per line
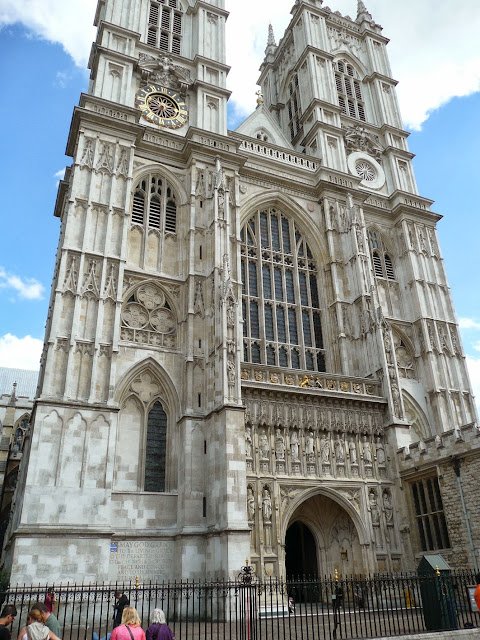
281, 307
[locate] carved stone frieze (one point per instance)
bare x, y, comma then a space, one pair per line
357, 138
162, 70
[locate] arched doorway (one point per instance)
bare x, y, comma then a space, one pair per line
329, 542
300, 551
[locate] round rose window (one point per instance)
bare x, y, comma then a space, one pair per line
365, 170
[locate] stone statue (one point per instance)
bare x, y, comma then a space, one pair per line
380, 452
366, 451
294, 442
339, 450
248, 442
387, 506
279, 445
309, 445
325, 449
266, 505
250, 504
372, 498
263, 445
352, 450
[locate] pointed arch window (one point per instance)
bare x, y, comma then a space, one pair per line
381, 260
281, 313
164, 29
154, 205
156, 449
349, 90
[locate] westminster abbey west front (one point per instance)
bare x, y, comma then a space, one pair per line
251, 348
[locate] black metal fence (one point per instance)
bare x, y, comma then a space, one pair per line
355, 607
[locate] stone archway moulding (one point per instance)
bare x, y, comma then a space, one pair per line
334, 495
149, 365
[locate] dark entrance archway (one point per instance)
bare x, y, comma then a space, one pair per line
300, 551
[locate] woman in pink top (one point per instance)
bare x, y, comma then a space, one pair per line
130, 628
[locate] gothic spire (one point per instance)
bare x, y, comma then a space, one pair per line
363, 13
271, 44
13, 396
271, 37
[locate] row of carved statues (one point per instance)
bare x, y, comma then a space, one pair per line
294, 443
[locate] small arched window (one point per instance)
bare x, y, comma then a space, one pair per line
165, 25
154, 205
381, 260
349, 90
156, 449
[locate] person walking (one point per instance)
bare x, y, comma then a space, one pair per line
48, 618
159, 629
119, 606
8, 615
50, 600
36, 629
476, 593
130, 628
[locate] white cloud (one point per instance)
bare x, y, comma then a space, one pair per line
20, 353
26, 288
66, 22
473, 365
468, 323
433, 52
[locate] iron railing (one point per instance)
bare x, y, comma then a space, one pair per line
327, 608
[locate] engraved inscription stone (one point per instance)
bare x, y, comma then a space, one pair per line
149, 560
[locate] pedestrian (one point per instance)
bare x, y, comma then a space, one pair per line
476, 593
119, 606
358, 595
36, 629
159, 629
130, 628
48, 618
291, 605
50, 600
7, 617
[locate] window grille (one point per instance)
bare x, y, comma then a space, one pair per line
164, 28
381, 260
430, 517
155, 206
349, 91
281, 314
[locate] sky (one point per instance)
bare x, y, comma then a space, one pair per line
44, 48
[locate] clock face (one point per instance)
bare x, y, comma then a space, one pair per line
162, 106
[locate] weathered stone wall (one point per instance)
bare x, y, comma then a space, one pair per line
439, 456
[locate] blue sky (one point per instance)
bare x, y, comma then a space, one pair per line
43, 73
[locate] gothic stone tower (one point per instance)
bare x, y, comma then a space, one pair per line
245, 327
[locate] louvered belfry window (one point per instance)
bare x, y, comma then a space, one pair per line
154, 205
349, 90
281, 307
381, 260
165, 26
293, 107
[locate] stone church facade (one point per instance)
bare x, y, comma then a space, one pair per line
251, 348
